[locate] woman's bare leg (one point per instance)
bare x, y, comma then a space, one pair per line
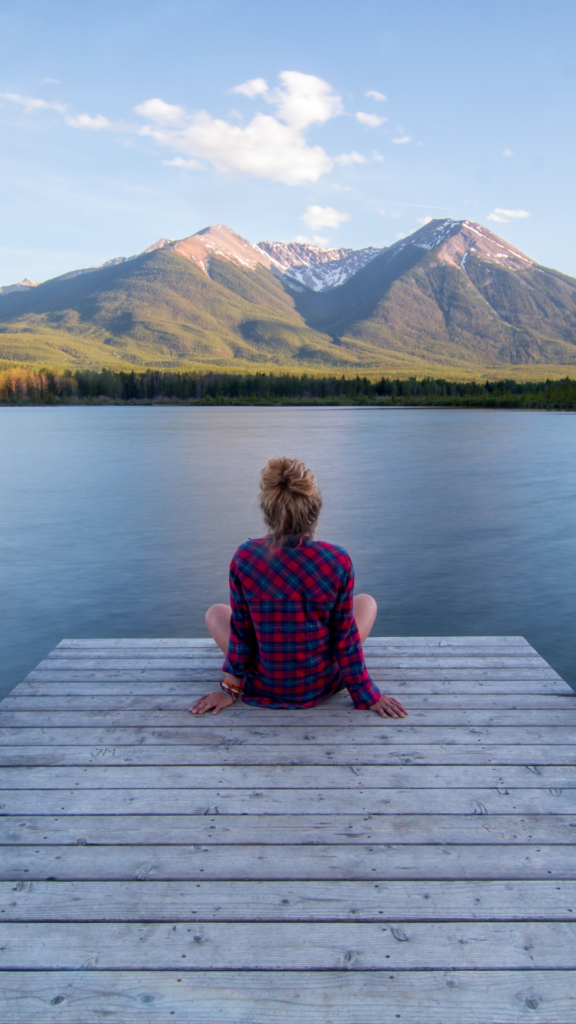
218, 622
365, 609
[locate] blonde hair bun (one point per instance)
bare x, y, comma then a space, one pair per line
289, 498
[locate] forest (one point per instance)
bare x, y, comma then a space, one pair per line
23, 386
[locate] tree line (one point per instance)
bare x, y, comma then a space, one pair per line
23, 386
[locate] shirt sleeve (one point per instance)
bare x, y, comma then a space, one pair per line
242, 643
348, 649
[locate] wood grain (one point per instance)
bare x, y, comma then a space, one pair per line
265, 867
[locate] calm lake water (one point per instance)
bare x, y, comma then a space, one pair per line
121, 521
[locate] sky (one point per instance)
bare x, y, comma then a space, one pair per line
344, 124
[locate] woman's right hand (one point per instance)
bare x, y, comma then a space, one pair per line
216, 700
388, 707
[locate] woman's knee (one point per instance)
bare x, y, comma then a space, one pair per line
365, 609
218, 615
366, 603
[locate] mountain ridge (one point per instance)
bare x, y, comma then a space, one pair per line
452, 297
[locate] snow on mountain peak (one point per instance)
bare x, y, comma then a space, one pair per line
309, 266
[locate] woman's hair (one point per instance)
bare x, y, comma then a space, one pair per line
289, 499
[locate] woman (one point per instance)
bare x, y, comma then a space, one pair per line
294, 633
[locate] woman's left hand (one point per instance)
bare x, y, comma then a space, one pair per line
218, 700
387, 707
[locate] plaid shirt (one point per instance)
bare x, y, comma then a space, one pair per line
293, 638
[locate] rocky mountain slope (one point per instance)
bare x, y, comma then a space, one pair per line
451, 299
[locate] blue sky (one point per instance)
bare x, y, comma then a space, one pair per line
270, 117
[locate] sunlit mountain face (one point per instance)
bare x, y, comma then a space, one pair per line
452, 297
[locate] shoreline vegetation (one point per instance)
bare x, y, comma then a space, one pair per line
155, 387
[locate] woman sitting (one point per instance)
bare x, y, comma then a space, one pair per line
294, 632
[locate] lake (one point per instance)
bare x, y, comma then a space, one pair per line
121, 521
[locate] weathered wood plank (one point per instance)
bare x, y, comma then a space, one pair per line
338, 712
289, 901
290, 777
537, 759
380, 641
284, 997
422, 662
206, 681
537, 707
344, 946
214, 732
522, 695
374, 645
281, 801
341, 716
293, 863
428, 675
327, 829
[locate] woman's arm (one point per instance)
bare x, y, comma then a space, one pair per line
242, 642
350, 657
241, 646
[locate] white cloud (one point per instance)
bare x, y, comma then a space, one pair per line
402, 140
350, 158
255, 87
377, 156
505, 216
424, 220
30, 103
270, 146
303, 100
400, 235
160, 112
507, 152
370, 120
188, 165
95, 124
49, 81
373, 94
323, 217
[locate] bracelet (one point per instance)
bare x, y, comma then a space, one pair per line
230, 691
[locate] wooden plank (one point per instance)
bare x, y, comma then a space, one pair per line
289, 777
214, 731
243, 716
418, 664
338, 712
428, 675
328, 829
281, 801
150, 654
537, 759
344, 946
380, 641
423, 665
294, 863
285, 997
206, 681
289, 901
19, 700
480, 689
527, 695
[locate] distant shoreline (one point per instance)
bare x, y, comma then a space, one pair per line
26, 387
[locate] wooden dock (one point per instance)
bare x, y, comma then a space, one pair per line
289, 867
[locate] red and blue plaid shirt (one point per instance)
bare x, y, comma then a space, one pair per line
293, 637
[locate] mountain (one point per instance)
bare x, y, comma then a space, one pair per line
22, 286
452, 299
